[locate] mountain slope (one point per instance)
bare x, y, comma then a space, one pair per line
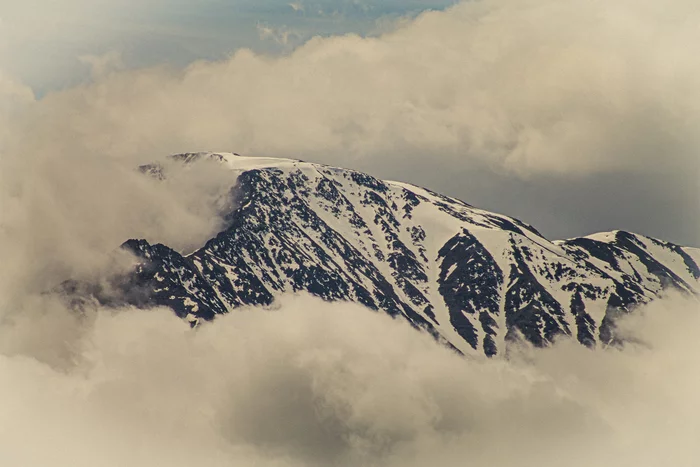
473, 278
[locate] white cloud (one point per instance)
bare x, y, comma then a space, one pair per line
283, 35
539, 86
317, 384
297, 6
63, 217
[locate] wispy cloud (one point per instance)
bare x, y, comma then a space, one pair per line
283, 35
297, 6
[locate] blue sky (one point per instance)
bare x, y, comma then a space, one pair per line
43, 40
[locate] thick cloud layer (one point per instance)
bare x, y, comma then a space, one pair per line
540, 98
538, 86
315, 384
65, 217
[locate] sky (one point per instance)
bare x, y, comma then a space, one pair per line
44, 40
575, 116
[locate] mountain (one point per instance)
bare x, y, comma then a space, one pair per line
472, 278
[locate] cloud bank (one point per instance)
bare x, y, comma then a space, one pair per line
318, 384
535, 86
568, 93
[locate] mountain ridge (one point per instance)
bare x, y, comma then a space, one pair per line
474, 279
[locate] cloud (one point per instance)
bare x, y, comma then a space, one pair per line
64, 217
535, 86
297, 6
282, 36
100, 65
573, 90
14, 94
313, 384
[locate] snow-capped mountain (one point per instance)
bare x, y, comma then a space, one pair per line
472, 278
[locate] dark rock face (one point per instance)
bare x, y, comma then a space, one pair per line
471, 278
470, 282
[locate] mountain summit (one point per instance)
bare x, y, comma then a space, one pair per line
472, 278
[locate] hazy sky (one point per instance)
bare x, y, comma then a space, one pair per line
575, 116
43, 40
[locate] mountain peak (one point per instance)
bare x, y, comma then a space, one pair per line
474, 279
235, 161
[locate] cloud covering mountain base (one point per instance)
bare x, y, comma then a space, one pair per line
319, 384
